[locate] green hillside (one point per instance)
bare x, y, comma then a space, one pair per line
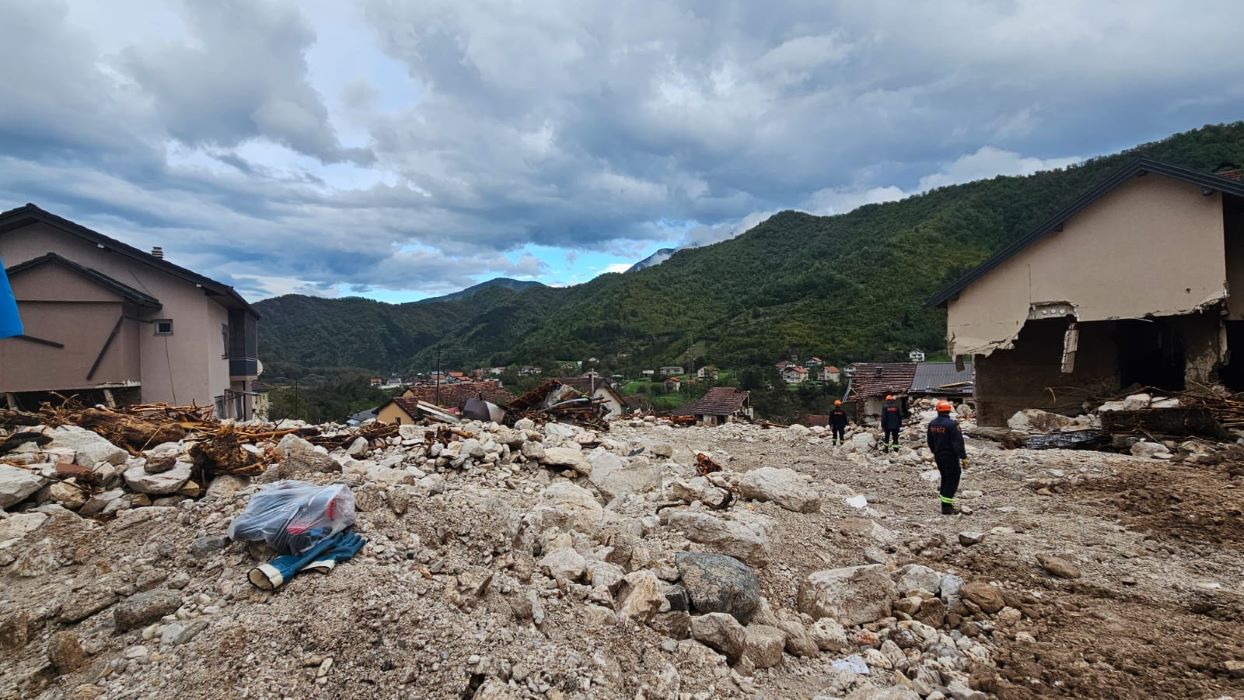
847, 287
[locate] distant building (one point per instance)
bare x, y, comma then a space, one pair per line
529, 371
916, 356
831, 373
671, 371
873, 381
673, 384
648, 372
708, 372
794, 374
813, 362
722, 404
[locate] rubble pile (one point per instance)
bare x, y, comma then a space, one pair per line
501, 561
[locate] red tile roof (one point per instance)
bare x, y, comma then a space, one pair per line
718, 401
881, 378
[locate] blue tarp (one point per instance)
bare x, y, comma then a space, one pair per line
10, 323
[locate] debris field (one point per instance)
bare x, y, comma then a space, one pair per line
639, 561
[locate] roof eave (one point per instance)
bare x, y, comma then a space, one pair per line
1133, 168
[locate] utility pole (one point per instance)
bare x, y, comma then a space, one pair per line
438, 376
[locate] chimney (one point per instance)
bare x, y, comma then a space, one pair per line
157, 252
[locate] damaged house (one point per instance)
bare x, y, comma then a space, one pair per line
721, 404
1138, 281
110, 323
871, 382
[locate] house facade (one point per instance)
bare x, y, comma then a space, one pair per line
116, 324
1138, 281
794, 374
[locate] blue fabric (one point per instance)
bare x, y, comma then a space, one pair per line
10, 323
345, 549
275, 573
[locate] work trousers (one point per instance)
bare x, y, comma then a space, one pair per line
891, 435
948, 467
839, 432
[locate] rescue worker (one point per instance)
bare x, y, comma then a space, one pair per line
891, 423
946, 443
838, 422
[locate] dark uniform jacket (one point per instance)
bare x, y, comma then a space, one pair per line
945, 438
891, 416
838, 418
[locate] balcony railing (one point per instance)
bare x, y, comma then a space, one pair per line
243, 366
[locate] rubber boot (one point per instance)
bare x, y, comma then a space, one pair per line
950, 509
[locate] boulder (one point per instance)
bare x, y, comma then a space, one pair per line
66, 493
225, 486
602, 573
697, 489
144, 608
1034, 420
742, 535
97, 503
786, 487
1151, 450
915, 577
985, 596
863, 442
89, 448
568, 457
852, 595
828, 635
568, 506
1057, 566
642, 595
162, 457
16, 484
798, 641
763, 645
19, 525
65, 652
721, 632
718, 583
1137, 402
301, 457
161, 484
614, 476
359, 448
564, 563
533, 451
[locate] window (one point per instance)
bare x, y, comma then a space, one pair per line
163, 326
224, 333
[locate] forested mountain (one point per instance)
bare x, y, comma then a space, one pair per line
847, 287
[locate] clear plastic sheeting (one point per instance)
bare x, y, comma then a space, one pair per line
291, 516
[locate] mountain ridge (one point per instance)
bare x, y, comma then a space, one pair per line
843, 287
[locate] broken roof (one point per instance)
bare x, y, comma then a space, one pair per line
881, 378
28, 214
718, 401
942, 378
1139, 166
120, 288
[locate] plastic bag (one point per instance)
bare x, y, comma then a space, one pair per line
291, 516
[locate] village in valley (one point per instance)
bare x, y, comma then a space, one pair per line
276, 421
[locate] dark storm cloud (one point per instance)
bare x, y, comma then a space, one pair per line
449, 133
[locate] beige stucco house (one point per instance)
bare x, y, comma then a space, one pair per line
112, 323
1138, 281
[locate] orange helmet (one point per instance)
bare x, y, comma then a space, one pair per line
837, 402
889, 397
944, 407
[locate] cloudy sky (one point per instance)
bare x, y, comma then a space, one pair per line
400, 149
